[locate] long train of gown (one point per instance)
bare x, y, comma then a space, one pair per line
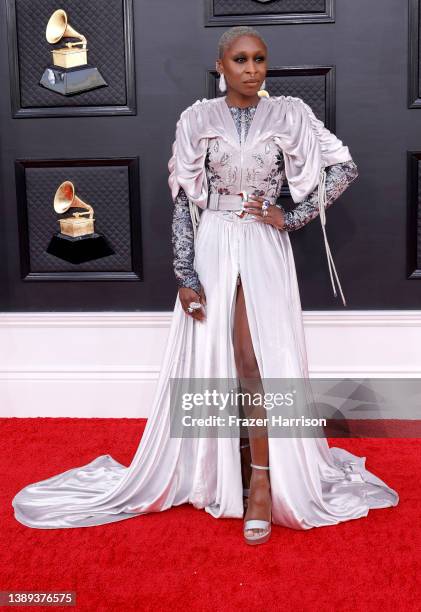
309, 481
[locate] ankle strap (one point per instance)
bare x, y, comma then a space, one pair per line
260, 467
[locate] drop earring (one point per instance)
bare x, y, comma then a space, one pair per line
262, 93
222, 84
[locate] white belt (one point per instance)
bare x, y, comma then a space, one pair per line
222, 201
218, 201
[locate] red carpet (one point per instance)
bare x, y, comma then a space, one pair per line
184, 558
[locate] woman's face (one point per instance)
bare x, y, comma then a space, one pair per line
244, 65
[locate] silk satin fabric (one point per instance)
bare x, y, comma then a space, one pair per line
310, 482
284, 121
307, 146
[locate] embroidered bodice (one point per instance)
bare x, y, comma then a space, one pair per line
338, 177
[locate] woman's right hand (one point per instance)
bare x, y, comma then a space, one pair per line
188, 295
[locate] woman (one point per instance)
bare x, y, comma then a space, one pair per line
237, 316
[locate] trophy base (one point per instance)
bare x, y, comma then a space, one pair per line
71, 81
80, 249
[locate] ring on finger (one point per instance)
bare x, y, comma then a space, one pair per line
194, 306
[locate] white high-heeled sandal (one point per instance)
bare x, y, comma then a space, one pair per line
258, 523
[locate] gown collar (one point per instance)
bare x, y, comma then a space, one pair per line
230, 123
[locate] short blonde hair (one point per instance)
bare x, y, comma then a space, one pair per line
232, 34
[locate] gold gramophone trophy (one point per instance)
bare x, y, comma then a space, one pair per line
69, 72
76, 241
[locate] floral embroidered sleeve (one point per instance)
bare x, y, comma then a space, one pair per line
338, 178
183, 244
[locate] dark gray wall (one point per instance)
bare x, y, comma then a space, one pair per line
173, 50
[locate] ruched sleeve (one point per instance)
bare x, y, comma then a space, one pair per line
333, 151
187, 163
308, 148
300, 147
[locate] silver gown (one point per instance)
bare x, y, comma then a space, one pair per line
312, 485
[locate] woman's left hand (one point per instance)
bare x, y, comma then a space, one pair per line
275, 215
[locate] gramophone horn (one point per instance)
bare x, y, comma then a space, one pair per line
66, 198
58, 27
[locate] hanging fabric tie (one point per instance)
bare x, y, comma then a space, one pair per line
322, 208
195, 217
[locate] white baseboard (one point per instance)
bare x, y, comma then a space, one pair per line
98, 364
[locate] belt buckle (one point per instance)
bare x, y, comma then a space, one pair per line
244, 197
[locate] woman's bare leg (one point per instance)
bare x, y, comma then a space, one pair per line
248, 371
